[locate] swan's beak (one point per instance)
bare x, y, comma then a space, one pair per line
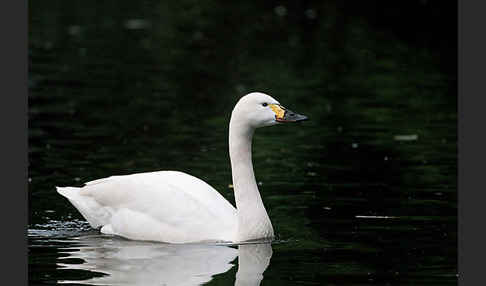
283, 114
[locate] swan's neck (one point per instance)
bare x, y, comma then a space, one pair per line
253, 220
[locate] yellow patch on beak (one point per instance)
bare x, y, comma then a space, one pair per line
279, 111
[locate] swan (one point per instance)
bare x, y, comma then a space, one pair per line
175, 207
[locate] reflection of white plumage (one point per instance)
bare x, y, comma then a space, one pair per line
253, 260
175, 207
129, 262
147, 263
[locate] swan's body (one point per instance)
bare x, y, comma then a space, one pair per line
175, 207
165, 206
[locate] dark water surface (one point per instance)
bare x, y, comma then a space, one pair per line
363, 193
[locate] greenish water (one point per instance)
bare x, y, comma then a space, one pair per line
365, 192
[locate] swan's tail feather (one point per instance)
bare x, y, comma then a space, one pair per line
68, 191
91, 210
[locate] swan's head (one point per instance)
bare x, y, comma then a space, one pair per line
258, 110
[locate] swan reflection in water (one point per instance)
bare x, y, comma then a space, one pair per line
150, 263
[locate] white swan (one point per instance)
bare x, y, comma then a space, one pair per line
175, 207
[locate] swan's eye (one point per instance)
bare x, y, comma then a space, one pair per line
264, 104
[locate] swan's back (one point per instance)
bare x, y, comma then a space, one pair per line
167, 206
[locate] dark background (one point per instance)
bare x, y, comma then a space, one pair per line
119, 87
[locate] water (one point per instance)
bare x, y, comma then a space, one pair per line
363, 193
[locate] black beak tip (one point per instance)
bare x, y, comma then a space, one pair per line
291, 116
299, 117
303, 118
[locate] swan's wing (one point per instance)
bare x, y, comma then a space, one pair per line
155, 205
